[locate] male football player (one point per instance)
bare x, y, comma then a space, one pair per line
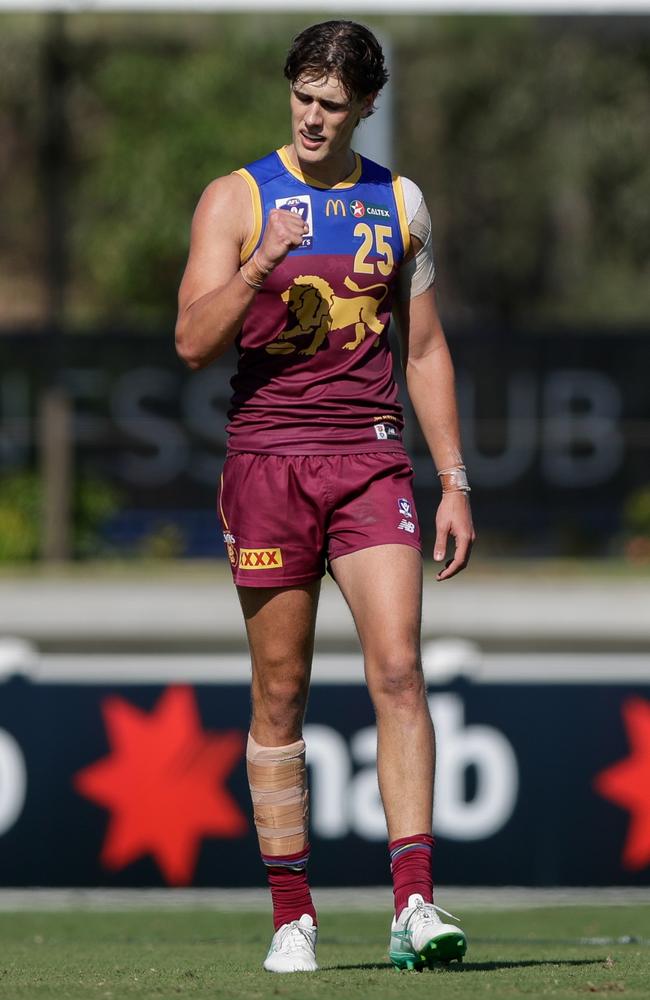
298, 259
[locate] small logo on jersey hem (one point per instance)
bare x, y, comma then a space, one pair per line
300, 206
260, 558
387, 432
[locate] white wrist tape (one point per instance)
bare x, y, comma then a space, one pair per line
454, 480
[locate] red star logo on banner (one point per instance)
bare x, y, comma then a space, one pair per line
164, 783
628, 784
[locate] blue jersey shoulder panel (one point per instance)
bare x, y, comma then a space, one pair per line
266, 169
340, 218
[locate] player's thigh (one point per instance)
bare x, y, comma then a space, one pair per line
383, 588
280, 624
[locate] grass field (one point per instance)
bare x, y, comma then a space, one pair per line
562, 952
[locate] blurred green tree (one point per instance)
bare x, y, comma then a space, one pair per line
166, 121
21, 290
528, 135
21, 500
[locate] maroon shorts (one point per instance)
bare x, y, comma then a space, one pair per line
285, 516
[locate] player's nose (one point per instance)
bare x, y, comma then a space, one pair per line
314, 116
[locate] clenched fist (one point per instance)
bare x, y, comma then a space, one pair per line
284, 231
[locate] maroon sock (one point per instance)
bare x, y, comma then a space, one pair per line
290, 893
410, 866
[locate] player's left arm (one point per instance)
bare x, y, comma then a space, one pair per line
430, 382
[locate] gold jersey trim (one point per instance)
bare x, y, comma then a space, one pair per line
223, 516
348, 182
256, 201
401, 213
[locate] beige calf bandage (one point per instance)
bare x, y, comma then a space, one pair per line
278, 785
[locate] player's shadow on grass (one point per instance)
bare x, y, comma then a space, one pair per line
477, 966
523, 964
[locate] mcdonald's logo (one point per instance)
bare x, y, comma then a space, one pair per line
334, 205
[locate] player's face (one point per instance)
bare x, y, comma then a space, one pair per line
323, 119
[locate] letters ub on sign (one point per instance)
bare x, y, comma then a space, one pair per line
549, 407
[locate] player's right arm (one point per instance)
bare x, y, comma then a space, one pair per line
214, 297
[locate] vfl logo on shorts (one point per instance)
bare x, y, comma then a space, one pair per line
404, 507
260, 558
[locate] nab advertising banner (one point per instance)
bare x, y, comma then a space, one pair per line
145, 785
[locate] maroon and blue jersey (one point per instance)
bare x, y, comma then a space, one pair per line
315, 368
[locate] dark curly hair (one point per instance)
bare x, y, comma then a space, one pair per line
344, 49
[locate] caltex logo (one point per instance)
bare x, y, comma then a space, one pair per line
358, 209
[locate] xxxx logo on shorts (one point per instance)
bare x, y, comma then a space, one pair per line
260, 558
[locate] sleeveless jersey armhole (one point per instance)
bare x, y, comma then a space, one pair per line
256, 203
401, 213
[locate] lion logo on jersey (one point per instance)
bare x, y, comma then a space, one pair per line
318, 311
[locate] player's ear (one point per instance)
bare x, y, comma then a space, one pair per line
367, 105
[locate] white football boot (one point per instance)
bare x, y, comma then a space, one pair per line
419, 938
293, 948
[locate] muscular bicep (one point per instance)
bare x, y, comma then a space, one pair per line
416, 309
419, 324
222, 221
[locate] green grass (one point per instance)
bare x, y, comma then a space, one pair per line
171, 954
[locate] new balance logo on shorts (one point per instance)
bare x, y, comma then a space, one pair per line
405, 525
260, 558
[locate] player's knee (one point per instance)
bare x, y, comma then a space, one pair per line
397, 679
281, 697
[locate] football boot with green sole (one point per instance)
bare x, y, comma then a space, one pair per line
419, 939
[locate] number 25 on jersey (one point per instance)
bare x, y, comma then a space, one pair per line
374, 240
